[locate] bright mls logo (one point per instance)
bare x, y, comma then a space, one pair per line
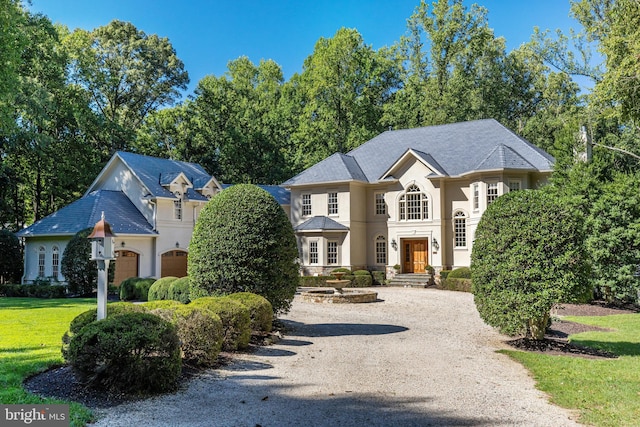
35, 415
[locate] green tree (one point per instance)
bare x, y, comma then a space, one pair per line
77, 268
244, 242
10, 258
528, 255
11, 44
126, 74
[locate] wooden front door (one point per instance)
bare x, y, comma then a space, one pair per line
174, 263
126, 266
415, 256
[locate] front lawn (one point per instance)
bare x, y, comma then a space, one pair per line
30, 340
605, 392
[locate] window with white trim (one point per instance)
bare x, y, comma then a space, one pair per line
55, 262
41, 255
313, 252
381, 204
332, 252
460, 229
332, 204
492, 192
414, 204
515, 185
476, 196
306, 204
381, 250
177, 206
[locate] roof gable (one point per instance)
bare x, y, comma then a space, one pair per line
424, 158
503, 157
336, 168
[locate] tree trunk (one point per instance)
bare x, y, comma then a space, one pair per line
537, 327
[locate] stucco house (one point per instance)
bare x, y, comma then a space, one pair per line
409, 198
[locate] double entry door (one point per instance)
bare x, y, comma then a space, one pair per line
415, 255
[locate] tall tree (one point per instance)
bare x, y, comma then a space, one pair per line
127, 75
11, 44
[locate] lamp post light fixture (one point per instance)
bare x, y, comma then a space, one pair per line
102, 251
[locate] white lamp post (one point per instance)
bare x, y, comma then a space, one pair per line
102, 251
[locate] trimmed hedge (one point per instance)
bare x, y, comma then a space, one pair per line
199, 330
260, 311
160, 288
33, 291
179, 290
444, 274
131, 353
236, 320
460, 273
163, 304
462, 285
315, 281
361, 279
136, 288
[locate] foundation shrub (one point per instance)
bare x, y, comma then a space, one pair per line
460, 273
444, 274
33, 291
179, 290
379, 277
461, 285
128, 353
314, 281
199, 331
160, 288
135, 288
260, 311
348, 275
235, 317
361, 279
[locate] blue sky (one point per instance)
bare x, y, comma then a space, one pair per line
207, 34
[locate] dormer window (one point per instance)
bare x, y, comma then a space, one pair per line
177, 206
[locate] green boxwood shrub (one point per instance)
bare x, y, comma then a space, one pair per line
260, 311
444, 274
361, 279
460, 273
179, 290
164, 304
160, 288
135, 288
314, 281
461, 285
130, 353
199, 330
244, 242
236, 320
379, 277
33, 291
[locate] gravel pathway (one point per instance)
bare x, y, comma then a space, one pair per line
419, 357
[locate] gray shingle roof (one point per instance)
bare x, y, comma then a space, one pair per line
154, 171
456, 149
281, 194
322, 223
119, 212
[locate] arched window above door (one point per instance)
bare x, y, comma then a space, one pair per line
413, 204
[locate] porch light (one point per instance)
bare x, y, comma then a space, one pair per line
394, 244
435, 244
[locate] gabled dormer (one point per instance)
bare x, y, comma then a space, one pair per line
176, 183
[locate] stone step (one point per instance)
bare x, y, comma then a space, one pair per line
412, 280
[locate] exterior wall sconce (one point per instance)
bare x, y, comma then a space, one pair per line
435, 244
122, 244
394, 244
177, 244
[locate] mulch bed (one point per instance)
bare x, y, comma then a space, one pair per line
555, 341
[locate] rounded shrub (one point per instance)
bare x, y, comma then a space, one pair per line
460, 273
528, 255
235, 317
164, 304
135, 288
199, 330
160, 288
260, 310
130, 352
362, 279
244, 242
179, 290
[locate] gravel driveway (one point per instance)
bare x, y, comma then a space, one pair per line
419, 357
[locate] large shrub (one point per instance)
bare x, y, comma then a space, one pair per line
179, 290
361, 279
528, 255
460, 273
80, 272
10, 258
236, 320
160, 288
135, 289
244, 242
131, 352
260, 310
199, 330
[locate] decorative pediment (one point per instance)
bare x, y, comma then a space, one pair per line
414, 155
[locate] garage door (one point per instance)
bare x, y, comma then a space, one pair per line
126, 266
174, 263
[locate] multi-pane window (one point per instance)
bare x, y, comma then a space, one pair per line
332, 252
460, 229
381, 250
306, 204
514, 186
414, 204
381, 204
41, 254
177, 206
332, 205
313, 252
55, 262
476, 197
492, 192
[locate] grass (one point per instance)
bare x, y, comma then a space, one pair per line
30, 341
604, 392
